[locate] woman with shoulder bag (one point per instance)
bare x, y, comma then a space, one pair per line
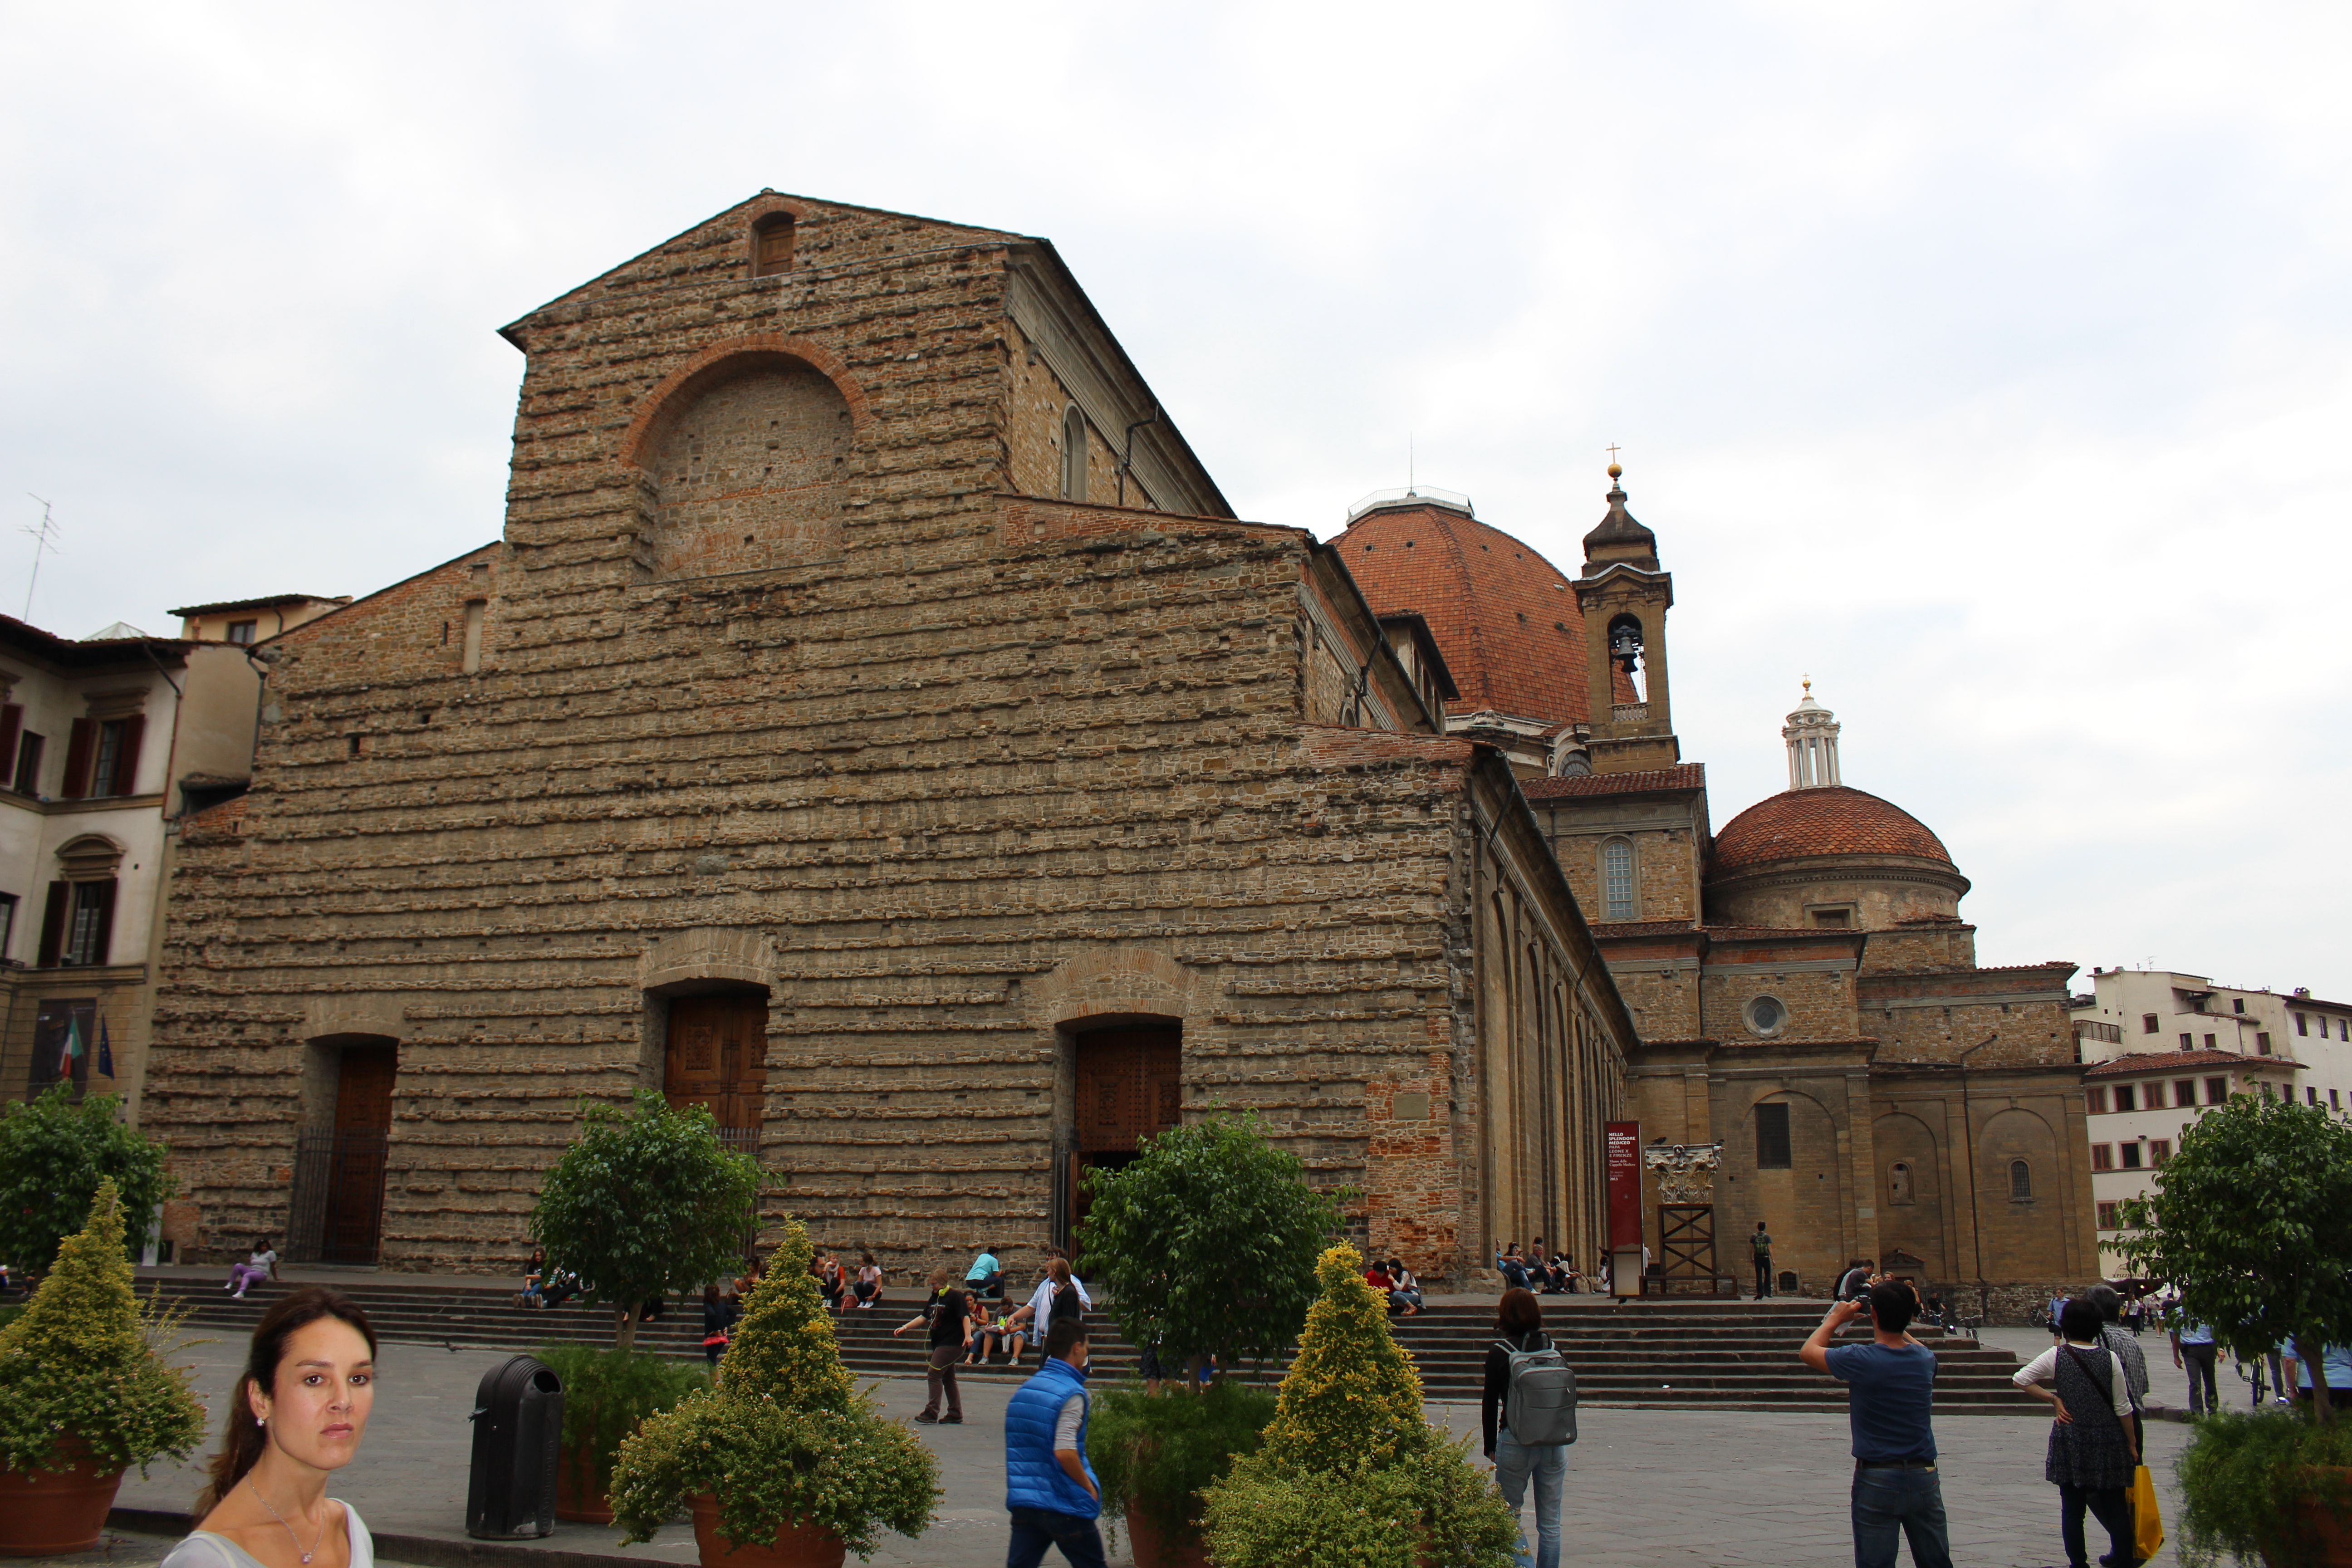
2092, 1450
718, 1316
1520, 1457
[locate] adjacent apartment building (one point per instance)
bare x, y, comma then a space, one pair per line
104, 743
2167, 1045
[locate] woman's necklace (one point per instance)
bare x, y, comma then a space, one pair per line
289, 1528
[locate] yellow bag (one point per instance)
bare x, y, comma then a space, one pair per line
2148, 1524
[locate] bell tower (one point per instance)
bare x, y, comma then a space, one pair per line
1625, 598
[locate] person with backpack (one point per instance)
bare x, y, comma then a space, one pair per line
2093, 1447
1891, 1383
1528, 1413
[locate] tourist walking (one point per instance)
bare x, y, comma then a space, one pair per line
719, 1315
1049, 1487
1060, 1294
259, 1265
2193, 1349
1762, 1242
1526, 1423
1854, 1285
2110, 1303
2092, 1450
297, 1416
948, 1313
1897, 1495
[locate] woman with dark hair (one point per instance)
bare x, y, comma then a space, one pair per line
298, 1414
718, 1317
1518, 1326
2093, 1449
259, 1265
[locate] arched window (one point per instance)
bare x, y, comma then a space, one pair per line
1898, 1182
2021, 1181
772, 245
1074, 454
1617, 880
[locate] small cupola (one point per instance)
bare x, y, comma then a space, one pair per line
1812, 736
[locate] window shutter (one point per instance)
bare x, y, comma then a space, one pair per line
98, 949
77, 784
12, 730
53, 924
126, 757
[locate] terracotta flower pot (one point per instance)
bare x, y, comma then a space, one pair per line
1153, 1550
795, 1546
577, 1497
45, 1514
2331, 1537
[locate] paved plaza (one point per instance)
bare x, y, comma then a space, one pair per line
1657, 1489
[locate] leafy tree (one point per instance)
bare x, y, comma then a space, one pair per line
2247, 1218
54, 1152
1207, 1242
1352, 1397
644, 1203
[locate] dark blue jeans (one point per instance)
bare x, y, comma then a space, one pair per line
1892, 1506
1035, 1529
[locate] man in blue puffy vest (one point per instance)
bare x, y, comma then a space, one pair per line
1048, 1486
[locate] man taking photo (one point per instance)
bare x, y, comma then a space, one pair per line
1892, 1383
1049, 1487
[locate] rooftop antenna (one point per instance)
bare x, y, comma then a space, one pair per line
42, 537
1407, 464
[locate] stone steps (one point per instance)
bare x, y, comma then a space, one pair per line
1700, 1354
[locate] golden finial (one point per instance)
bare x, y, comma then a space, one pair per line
1615, 471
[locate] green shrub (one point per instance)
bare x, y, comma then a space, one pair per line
54, 1150
607, 1394
78, 1361
1434, 1507
1161, 1450
2243, 1475
1350, 1471
784, 1436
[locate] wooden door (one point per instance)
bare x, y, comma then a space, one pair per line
354, 1231
1129, 1086
718, 1057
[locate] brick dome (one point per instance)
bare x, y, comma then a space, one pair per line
1831, 819
1505, 617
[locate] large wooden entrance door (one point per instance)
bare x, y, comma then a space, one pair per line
1130, 1086
718, 1057
353, 1227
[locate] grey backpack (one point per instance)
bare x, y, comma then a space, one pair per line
1540, 1401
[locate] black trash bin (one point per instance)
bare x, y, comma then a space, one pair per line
518, 1434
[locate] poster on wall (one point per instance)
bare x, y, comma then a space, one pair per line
1624, 1183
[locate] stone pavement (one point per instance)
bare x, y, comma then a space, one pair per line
1657, 1489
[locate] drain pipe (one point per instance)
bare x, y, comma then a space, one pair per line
1127, 454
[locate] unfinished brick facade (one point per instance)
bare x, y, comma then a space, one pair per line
795, 686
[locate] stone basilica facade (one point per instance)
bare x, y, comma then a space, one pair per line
874, 724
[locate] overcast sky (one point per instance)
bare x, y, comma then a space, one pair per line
1992, 364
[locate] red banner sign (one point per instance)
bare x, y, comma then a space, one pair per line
1624, 1183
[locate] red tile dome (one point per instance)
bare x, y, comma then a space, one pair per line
1505, 617
1831, 819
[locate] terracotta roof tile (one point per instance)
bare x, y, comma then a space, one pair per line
1829, 820
1505, 617
1688, 776
2168, 1061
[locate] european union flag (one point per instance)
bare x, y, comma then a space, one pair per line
105, 1050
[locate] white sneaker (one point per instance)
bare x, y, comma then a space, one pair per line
238, 1296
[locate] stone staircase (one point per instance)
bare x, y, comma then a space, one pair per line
1682, 1354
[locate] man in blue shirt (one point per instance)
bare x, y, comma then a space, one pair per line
2193, 1348
2335, 1359
1897, 1494
1049, 1487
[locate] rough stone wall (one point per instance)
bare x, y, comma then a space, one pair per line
1937, 946
1665, 882
1037, 403
2003, 1017
1820, 1001
993, 769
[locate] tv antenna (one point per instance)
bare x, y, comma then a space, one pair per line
44, 539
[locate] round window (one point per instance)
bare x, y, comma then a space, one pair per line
1766, 1015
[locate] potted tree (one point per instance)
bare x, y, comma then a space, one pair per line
2246, 1220
644, 1203
1350, 1472
784, 1463
1207, 1243
83, 1395
54, 1151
